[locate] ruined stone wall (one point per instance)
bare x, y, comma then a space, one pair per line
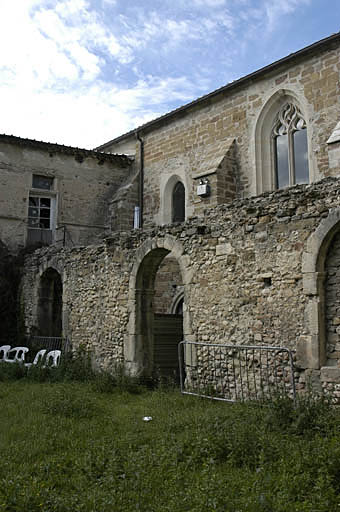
95, 292
186, 143
83, 185
242, 271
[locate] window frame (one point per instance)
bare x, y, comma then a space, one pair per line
174, 200
47, 234
289, 124
40, 207
262, 153
167, 184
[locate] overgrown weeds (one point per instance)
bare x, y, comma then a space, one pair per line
64, 402
65, 446
74, 439
117, 380
311, 415
78, 367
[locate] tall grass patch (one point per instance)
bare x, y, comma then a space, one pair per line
65, 446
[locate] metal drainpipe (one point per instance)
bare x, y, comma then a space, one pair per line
141, 178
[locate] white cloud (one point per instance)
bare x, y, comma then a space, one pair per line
53, 86
91, 115
66, 60
169, 33
208, 3
48, 70
69, 8
276, 9
82, 33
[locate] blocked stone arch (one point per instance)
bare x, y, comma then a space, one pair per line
53, 269
311, 348
138, 342
263, 157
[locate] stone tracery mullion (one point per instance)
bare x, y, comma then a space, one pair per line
288, 119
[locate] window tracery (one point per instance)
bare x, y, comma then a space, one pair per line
289, 139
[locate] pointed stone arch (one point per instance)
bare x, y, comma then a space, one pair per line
167, 187
50, 269
264, 157
177, 302
138, 343
311, 348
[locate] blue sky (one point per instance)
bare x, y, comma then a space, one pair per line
81, 72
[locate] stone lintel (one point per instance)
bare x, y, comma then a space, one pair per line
266, 275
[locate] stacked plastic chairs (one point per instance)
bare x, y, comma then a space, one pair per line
17, 355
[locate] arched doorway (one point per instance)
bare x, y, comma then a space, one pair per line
319, 286
332, 301
168, 323
154, 331
50, 304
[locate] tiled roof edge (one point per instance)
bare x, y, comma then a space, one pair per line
60, 148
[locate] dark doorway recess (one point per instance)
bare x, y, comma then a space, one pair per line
50, 304
158, 330
168, 332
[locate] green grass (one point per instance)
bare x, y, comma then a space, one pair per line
69, 447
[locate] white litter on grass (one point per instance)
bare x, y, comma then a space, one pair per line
147, 418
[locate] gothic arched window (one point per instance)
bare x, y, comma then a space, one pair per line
178, 202
290, 148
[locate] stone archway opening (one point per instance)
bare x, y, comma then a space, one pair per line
50, 304
332, 302
160, 278
319, 272
167, 320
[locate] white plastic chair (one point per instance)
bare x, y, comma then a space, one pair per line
39, 356
3, 351
54, 356
19, 355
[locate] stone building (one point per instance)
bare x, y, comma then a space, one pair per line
238, 229
51, 193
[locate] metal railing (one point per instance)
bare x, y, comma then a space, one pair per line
236, 372
37, 343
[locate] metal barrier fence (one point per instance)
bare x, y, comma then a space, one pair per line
235, 372
36, 343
